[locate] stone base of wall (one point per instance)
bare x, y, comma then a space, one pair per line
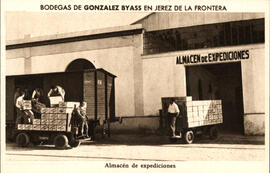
140, 124
254, 124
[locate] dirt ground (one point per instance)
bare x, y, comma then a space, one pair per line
145, 150
148, 147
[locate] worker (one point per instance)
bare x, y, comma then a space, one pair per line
36, 94
173, 113
37, 102
16, 94
57, 91
82, 113
27, 94
79, 119
23, 116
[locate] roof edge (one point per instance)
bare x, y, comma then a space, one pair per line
29, 39
136, 22
60, 72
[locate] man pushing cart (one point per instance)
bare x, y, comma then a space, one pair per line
196, 117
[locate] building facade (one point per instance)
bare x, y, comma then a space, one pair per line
203, 55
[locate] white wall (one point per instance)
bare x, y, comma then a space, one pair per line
15, 66
161, 78
253, 80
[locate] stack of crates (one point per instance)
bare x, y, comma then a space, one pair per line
206, 112
25, 126
195, 113
36, 124
53, 119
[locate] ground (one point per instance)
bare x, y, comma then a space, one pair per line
148, 152
147, 148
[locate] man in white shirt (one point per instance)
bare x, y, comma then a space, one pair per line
173, 112
19, 101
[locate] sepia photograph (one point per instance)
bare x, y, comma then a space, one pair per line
137, 90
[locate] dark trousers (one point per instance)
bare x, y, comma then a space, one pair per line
36, 108
172, 120
84, 127
24, 117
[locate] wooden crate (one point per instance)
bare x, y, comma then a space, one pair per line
195, 113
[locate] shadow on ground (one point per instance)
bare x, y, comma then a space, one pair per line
159, 140
142, 139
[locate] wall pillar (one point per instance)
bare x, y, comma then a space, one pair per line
254, 92
180, 81
138, 75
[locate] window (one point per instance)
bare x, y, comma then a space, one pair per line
204, 36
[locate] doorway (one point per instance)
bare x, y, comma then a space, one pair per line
79, 65
219, 82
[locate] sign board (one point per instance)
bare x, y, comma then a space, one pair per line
213, 57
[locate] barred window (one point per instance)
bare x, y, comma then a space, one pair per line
204, 36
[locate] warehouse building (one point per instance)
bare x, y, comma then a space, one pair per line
203, 55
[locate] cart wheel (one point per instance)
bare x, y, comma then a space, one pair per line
61, 141
22, 139
213, 132
74, 143
189, 137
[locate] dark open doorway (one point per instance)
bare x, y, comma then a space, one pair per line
219, 81
80, 65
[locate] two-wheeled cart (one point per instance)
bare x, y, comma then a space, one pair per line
196, 117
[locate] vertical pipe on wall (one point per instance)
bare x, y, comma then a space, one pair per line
106, 98
95, 95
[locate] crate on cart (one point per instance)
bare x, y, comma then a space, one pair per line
196, 115
26, 105
54, 125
